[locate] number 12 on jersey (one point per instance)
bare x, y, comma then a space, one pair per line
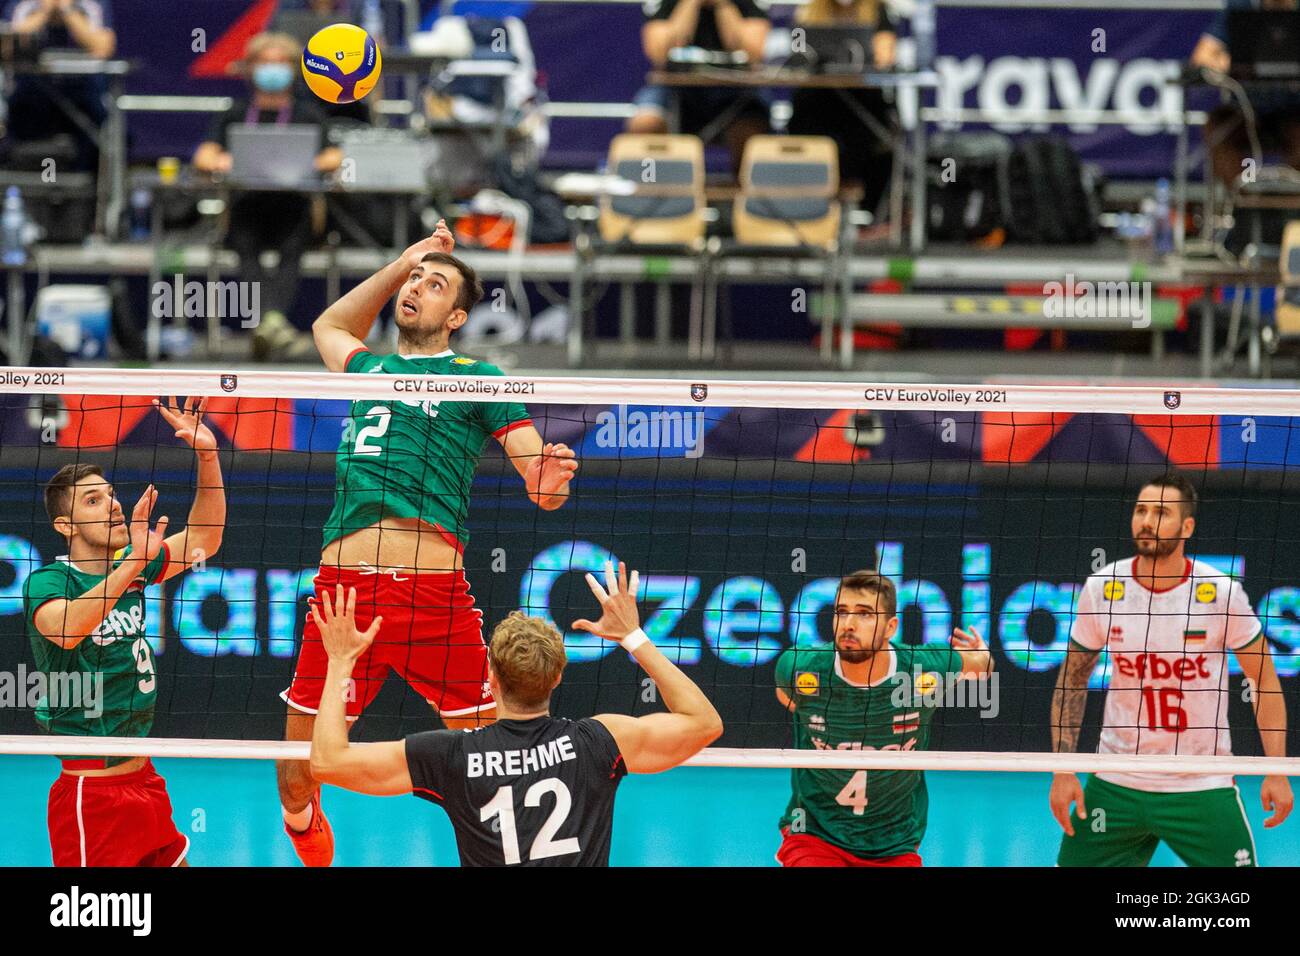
544, 845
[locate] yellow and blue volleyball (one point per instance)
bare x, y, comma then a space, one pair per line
341, 63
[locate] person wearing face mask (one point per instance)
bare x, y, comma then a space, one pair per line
79, 26
269, 220
865, 160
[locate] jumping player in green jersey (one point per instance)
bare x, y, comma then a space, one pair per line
868, 692
85, 616
397, 532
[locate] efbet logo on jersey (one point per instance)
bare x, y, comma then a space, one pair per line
1113, 590
1206, 593
807, 683
341, 63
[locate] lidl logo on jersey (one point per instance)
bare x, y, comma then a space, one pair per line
926, 683
807, 683
461, 360
1206, 593
1113, 590
119, 624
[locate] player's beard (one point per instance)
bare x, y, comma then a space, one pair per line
855, 655
419, 335
1156, 547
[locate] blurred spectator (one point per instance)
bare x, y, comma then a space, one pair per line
716, 26
480, 99
1277, 111
269, 220
84, 26
387, 15
865, 159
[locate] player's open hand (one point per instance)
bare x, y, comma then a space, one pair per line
441, 240
338, 625
1067, 790
975, 659
968, 640
548, 475
619, 616
188, 422
146, 544
1275, 795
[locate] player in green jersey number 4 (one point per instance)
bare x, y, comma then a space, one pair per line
85, 620
868, 692
404, 469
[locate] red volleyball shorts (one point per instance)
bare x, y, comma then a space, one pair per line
432, 636
114, 821
804, 849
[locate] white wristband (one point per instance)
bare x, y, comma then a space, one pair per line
634, 640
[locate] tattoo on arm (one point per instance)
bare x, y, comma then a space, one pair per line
1071, 698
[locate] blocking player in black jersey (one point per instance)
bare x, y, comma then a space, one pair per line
531, 789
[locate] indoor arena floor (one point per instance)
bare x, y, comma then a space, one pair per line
687, 817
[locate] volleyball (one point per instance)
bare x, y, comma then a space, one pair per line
341, 63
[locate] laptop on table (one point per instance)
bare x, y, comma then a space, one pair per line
274, 155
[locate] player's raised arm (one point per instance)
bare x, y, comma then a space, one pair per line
378, 769
343, 327
201, 537
67, 622
546, 467
659, 741
1270, 714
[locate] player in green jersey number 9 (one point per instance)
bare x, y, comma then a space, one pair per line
85, 617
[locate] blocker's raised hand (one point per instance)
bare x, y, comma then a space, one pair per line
619, 616
338, 625
146, 544
188, 421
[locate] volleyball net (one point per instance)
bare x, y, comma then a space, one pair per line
742, 505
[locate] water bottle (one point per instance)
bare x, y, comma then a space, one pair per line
141, 220
372, 20
1164, 227
13, 221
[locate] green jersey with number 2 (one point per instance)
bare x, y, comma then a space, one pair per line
414, 456
870, 813
114, 665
